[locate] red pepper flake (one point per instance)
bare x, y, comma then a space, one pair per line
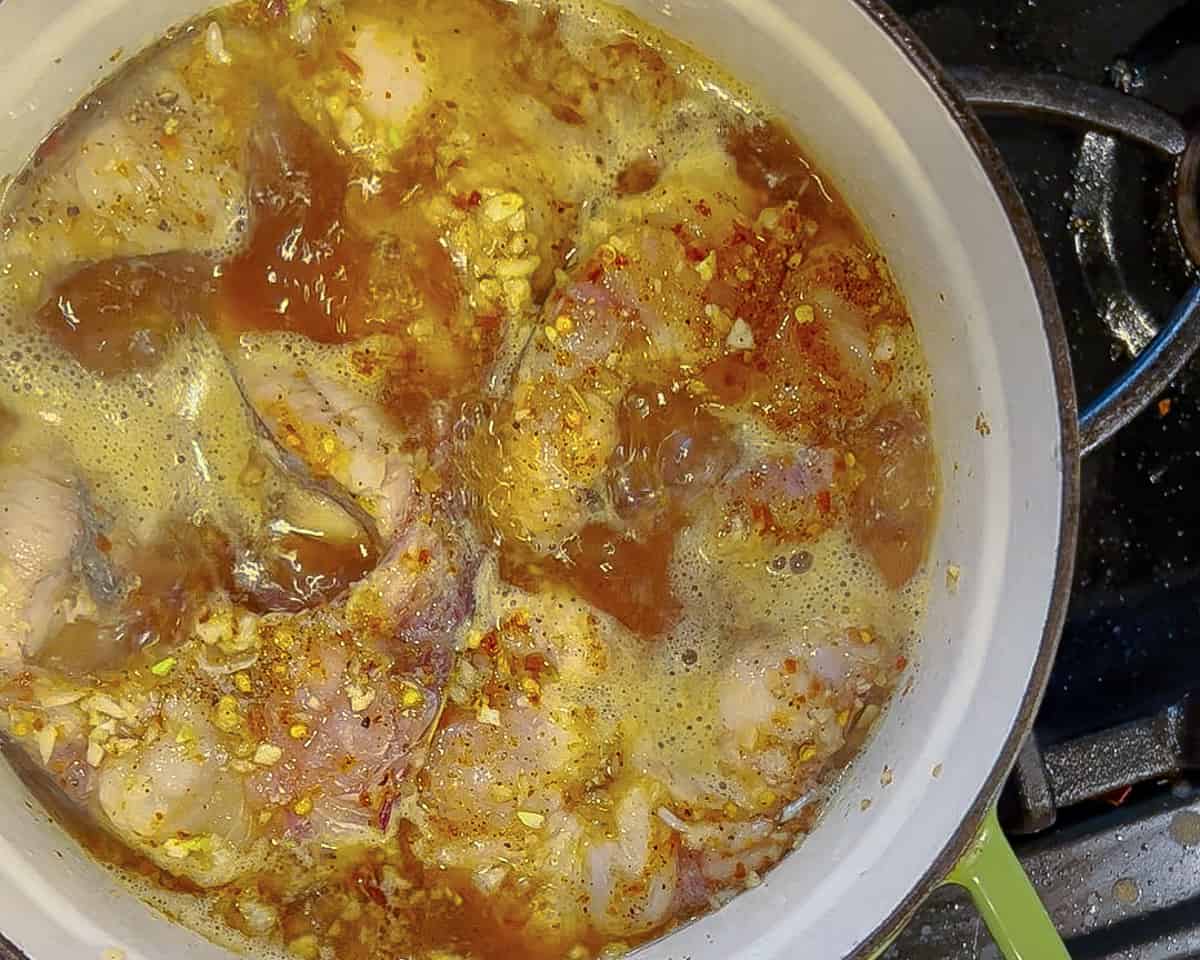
535, 663
467, 201
364, 878
740, 870
567, 114
351, 65
490, 644
596, 273
790, 665
901, 662
696, 254
103, 544
385, 810
741, 234
256, 721
365, 362
1164, 406
620, 260
53, 141
825, 501
518, 621
764, 520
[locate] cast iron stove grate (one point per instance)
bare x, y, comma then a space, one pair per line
1104, 806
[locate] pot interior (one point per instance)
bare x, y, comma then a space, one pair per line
870, 119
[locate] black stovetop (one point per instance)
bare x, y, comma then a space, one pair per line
1134, 622
1118, 868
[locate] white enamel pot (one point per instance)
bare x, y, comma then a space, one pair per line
877, 114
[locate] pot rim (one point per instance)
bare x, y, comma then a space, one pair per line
944, 88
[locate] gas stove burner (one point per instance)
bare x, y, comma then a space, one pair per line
1160, 352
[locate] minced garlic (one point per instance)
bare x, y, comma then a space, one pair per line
100, 703
226, 716
489, 715
411, 697
214, 44
60, 698
181, 849
740, 337
952, 574
501, 792
46, 738
267, 755
360, 699
502, 206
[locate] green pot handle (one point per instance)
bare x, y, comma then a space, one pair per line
1004, 897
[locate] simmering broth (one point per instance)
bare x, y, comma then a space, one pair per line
465, 484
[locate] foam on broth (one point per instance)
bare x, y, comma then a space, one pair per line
630, 400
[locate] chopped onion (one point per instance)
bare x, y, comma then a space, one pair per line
671, 820
792, 810
226, 667
304, 27
489, 879
214, 44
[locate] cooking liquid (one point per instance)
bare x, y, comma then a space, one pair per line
642, 368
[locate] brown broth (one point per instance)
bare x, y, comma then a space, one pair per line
440, 262
115, 316
303, 269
